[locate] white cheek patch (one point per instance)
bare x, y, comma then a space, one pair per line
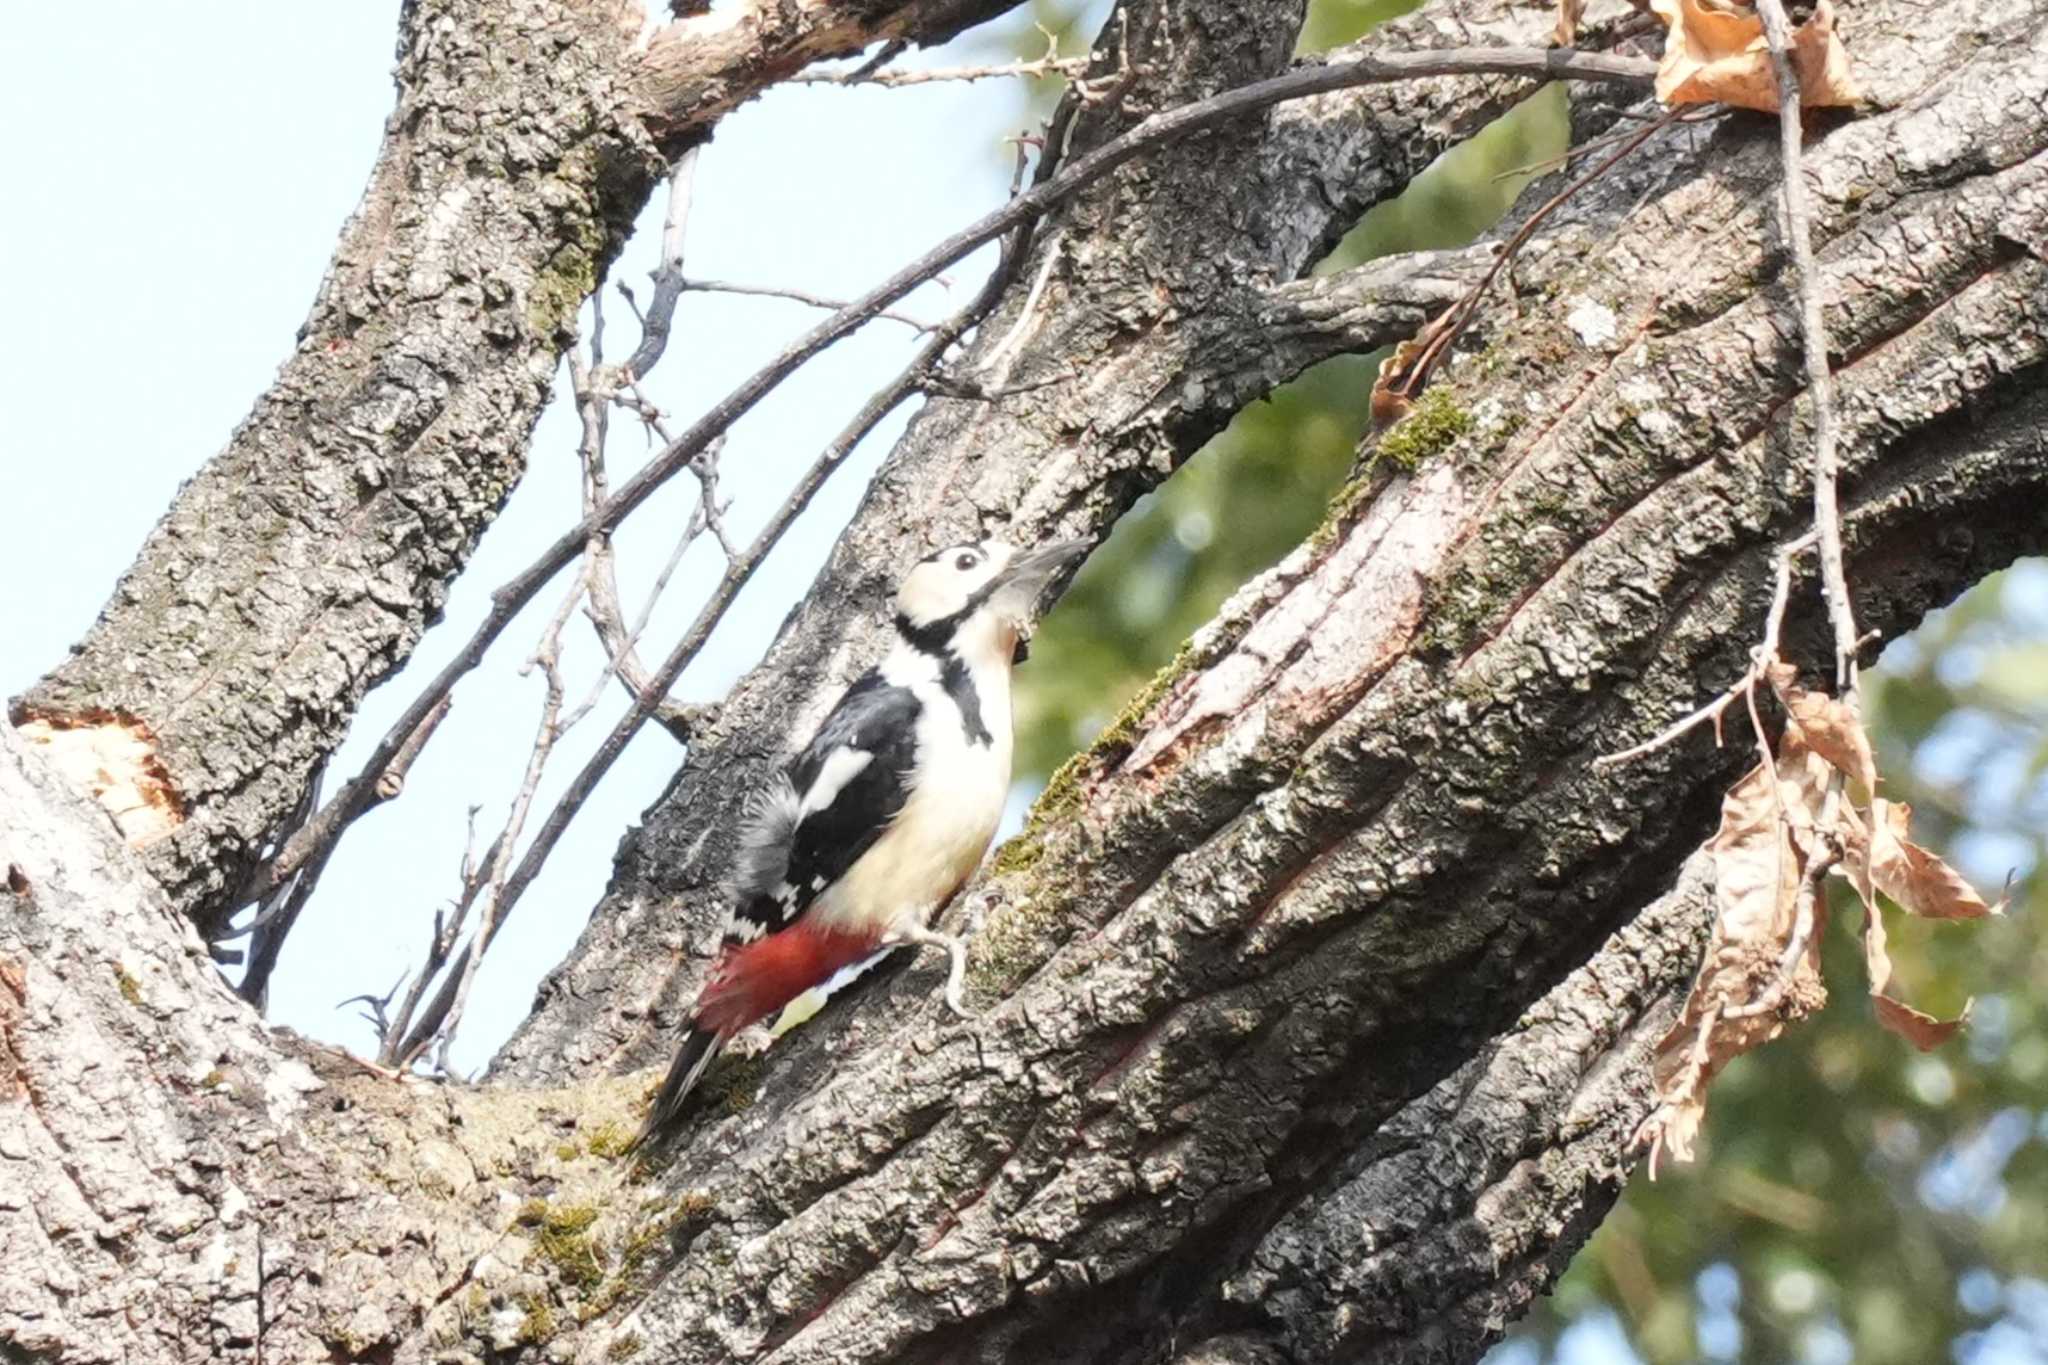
928, 595
841, 768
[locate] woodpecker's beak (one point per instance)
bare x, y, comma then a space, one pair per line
1021, 588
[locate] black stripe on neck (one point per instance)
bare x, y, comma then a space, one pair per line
935, 640
959, 685
934, 637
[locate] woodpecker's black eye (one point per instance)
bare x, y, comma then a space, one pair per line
965, 560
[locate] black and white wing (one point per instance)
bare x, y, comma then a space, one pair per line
826, 808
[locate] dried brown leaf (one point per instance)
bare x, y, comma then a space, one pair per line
1404, 374
1755, 865
1917, 1027
1569, 12
1914, 877
1758, 868
1715, 50
1830, 727
1389, 405
1923, 1031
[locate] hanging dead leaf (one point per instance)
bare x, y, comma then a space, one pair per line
1917, 1027
1759, 865
1755, 865
1405, 374
1830, 727
1569, 12
1923, 1031
1915, 878
1715, 50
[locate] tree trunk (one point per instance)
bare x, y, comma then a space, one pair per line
1318, 995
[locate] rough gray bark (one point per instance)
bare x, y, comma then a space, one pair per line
297, 570
1317, 995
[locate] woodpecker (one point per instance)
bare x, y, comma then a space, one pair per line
867, 833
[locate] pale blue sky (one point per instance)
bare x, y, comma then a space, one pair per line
165, 246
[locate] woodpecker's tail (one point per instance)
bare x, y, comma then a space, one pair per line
699, 1046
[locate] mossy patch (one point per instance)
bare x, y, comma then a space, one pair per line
625, 1347
1118, 737
1062, 794
562, 1238
559, 290
608, 1141
1436, 420
539, 1323
131, 989
1000, 953
660, 1222
1345, 505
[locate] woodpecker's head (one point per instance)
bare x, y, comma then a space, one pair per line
979, 599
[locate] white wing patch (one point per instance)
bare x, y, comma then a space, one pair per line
839, 769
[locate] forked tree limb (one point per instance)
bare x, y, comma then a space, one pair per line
1292, 1047
1337, 857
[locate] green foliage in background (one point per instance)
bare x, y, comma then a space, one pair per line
1853, 1200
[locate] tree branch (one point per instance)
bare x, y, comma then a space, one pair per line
399, 424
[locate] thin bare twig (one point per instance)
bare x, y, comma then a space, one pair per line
280, 912
1761, 658
547, 657
1709, 113
1827, 515
769, 291
1444, 332
1052, 64
375, 1016
595, 386
441, 943
593, 397
1156, 131
668, 274
1827, 518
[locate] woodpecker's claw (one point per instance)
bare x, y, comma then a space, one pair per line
956, 968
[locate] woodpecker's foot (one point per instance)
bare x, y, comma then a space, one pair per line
753, 1040
956, 970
